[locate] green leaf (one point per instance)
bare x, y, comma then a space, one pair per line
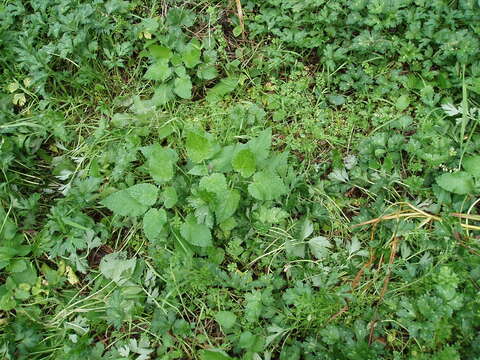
199, 147
459, 182
336, 99
160, 162
196, 234
160, 71
226, 319
160, 52
163, 94
207, 72
267, 186
191, 55
183, 87
133, 201
153, 222
319, 246
244, 162
214, 355
215, 183
227, 205
224, 87
402, 102
117, 267
170, 197
472, 166
260, 145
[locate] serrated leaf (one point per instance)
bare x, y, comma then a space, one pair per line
224, 87
267, 186
215, 183
170, 197
183, 87
319, 246
133, 201
196, 234
163, 94
117, 267
153, 222
199, 147
160, 162
160, 52
244, 162
191, 55
472, 165
459, 182
402, 102
261, 144
159, 71
227, 205
207, 72
450, 109
226, 319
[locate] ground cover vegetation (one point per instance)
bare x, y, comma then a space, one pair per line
255, 179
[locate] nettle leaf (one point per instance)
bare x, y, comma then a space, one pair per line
160, 162
459, 182
159, 71
170, 197
199, 147
191, 54
472, 166
196, 234
153, 222
227, 205
215, 183
267, 186
117, 267
160, 52
163, 94
260, 145
183, 87
207, 72
244, 162
224, 87
226, 319
319, 246
133, 201
402, 102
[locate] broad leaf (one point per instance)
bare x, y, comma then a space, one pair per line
224, 87
159, 71
267, 186
153, 222
199, 147
133, 201
163, 94
319, 246
170, 197
196, 234
207, 72
226, 319
117, 267
459, 182
244, 162
227, 205
183, 87
160, 162
472, 166
191, 55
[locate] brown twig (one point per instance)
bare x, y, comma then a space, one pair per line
240, 17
